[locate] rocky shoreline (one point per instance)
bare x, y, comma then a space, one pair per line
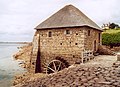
78, 76
24, 54
91, 75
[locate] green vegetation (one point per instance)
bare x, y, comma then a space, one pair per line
111, 37
112, 30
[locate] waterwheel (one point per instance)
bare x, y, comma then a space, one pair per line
55, 66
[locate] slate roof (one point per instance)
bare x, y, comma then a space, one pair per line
68, 16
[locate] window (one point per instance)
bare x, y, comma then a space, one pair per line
67, 31
50, 34
88, 32
60, 43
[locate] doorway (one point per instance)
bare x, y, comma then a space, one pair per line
95, 46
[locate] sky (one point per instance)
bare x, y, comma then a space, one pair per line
18, 18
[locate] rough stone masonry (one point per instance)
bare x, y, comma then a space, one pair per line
66, 34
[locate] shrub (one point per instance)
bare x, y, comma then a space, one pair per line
111, 39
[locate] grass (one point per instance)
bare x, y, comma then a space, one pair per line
112, 30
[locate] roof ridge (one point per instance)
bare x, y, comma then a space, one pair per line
68, 16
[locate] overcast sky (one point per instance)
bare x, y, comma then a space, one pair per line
18, 18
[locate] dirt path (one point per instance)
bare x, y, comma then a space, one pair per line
102, 60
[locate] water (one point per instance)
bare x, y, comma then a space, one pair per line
9, 67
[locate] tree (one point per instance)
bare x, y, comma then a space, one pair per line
113, 26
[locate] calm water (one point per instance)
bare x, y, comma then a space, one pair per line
8, 65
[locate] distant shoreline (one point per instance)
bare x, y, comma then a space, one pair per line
15, 42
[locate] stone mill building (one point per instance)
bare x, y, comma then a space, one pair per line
59, 40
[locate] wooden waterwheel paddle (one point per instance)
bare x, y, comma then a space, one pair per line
55, 66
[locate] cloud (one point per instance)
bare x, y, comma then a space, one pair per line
20, 17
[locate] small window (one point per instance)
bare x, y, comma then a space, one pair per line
76, 33
88, 32
60, 43
50, 34
67, 31
76, 43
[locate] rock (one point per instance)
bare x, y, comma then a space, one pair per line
106, 83
76, 77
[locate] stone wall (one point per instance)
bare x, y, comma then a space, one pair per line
66, 46
59, 44
34, 53
94, 35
